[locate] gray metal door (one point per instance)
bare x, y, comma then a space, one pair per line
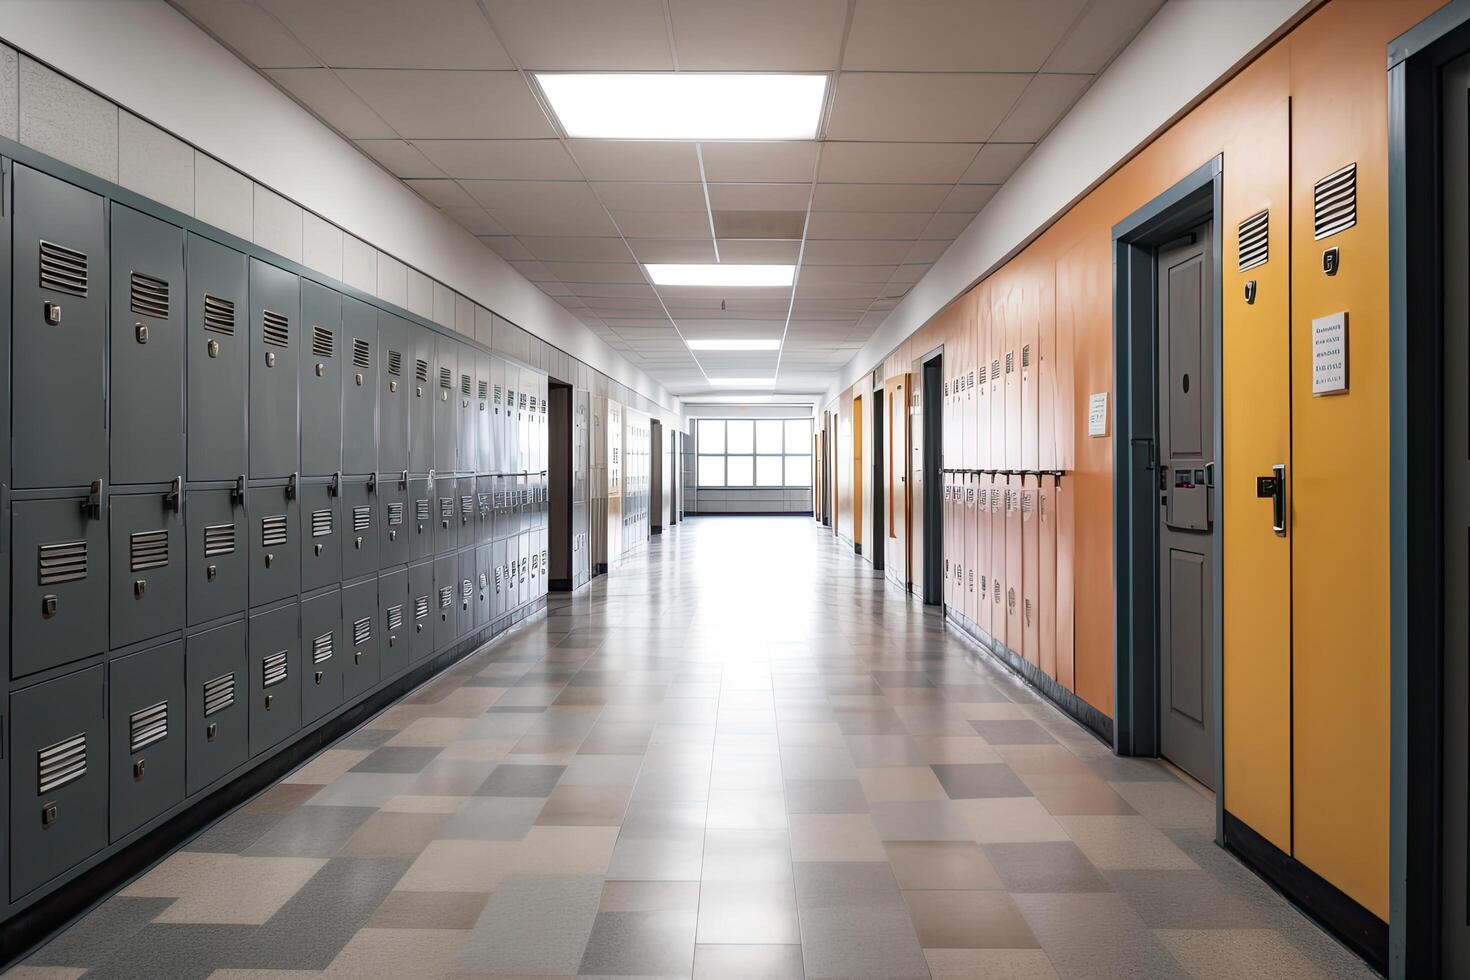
484, 441
275, 543
1187, 537
495, 463
146, 704
321, 349
395, 393
323, 653
58, 777
420, 517
446, 515
275, 321
322, 537
216, 712
446, 601
467, 510
360, 528
446, 405
465, 597
218, 348
467, 460
147, 565
500, 498
421, 406
275, 677
499, 592
422, 611
360, 388
485, 508
394, 526
214, 560
394, 621
58, 582
147, 374
360, 671
59, 333
484, 591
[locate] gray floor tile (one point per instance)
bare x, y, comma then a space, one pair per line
523, 781
311, 831
657, 943
1045, 866
534, 926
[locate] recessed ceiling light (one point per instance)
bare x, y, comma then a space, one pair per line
741, 382
719, 274
734, 344
686, 105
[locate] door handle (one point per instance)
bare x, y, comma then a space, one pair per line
1274, 486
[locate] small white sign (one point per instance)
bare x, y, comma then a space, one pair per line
1097, 414
1330, 355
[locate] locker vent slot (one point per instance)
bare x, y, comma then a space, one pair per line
1335, 202
464, 384
467, 506
446, 596
395, 514
466, 589
147, 549
1253, 237
321, 649
1025, 503
421, 510
362, 518
323, 342
321, 524
446, 378
147, 725
219, 315
421, 607
1026, 356
362, 353
395, 617
273, 530
273, 669
275, 329
484, 390
63, 270
219, 539
395, 363
219, 693
421, 371
498, 392
446, 508
982, 374
65, 561
362, 631
970, 384
61, 763
995, 369
148, 296
1010, 361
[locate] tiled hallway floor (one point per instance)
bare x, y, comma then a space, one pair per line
739, 756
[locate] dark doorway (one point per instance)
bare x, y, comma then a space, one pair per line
880, 490
656, 477
559, 475
933, 442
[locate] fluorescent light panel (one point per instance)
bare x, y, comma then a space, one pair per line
741, 382
734, 344
686, 105
719, 274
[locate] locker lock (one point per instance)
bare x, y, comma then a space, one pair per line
1331, 259
53, 313
358, 543
391, 639
418, 627
210, 731
270, 358
358, 376
213, 348
269, 700
140, 586
318, 548
140, 331
392, 535
1250, 292
357, 656
48, 606
321, 369
418, 391
444, 396
319, 675
48, 814
139, 768
269, 559
211, 573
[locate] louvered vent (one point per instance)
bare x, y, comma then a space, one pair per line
467, 506
273, 669
219, 693
464, 385
275, 329
421, 371
498, 393
421, 607
362, 518
395, 617
1335, 202
395, 363
219, 315
970, 381
484, 390
273, 530
1026, 356
147, 725
446, 596
321, 649
982, 374
446, 378
321, 523
466, 589
995, 369
1010, 361
421, 510
61, 763
323, 342
362, 353
1253, 238
362, 631
395, 514
219, 539
147, 549
148, 296
446, 508
65, 561
63, 270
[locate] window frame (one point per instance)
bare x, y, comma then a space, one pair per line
784, 457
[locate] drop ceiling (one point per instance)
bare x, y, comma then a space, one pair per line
931, 106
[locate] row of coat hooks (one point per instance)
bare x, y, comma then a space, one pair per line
1056, 475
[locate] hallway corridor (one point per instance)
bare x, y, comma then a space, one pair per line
741, 755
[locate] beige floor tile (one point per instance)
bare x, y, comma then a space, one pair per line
1238, 954
936, 865
835, 837
431, 732
968, 920
283, 797
1055, 759
223, 889
900, 783
394, 835
327, 766
23, 972
991, 711
1169, 805
429, 910
1075, 794
970, 964
474, 866
1125, 843
482, 749
955, 749
392, 954
585, 806
1010, 820
409, 803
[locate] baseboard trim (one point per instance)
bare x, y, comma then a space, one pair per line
751, 513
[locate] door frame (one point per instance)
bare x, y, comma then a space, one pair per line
858, 457
1136, 647
931, 561
879, 491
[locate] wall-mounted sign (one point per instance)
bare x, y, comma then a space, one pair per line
1097, 414
1330, 355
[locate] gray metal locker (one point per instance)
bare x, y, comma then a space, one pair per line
275, 549
58, 334
395, 392
359, 527
215, 553
484, 587
321, 347
467, 460
485, 509
145, 694
484, 441
147, 564
422, 611
495, 463
446, 601
58, 582
500, 520
394, 522
323, 536
275, 677
395, 618
512, 573
216, 712
58, 777
147, 369
323, 654
275, 320
523, 579
425, 391
218, 348
421, 507
499, 587
360, 387
468, 511
467, 591
446, 405
361, 668
542, 537
510, 460
446, 515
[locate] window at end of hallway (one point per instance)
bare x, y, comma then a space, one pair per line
753, 452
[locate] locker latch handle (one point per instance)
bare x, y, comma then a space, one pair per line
372, 484
335, 488
174, 499
291, 486
403, 480
1274, 487
92, 503
237, 495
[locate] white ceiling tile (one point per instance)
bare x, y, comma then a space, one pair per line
673, 249
839, 290
558, 289
543, 159
969, 197
751, 35
636, 159
924, 252
630, 195
948, 224
513, 195
320, 91
506, 247
393, 34
847, 273
256, 35
613, 290
597, 272
956, 35
584, 35
451, 104
743, 250
534, 271
854, 253
878, 197
577, 249
995, 162
442, 193
771, 162
1046, 100
399, 158
474, 220
911, 272
899, 163
862, 224
1100, 33
662, 224
921, 106
759, 197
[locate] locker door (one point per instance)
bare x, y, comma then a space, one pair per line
1030, 373
468, 457
1000, 507
275, 551
485, 508
951, 559
59, 333
421, 405
996, 398
215, 561
1030, 573
484, 590
58, 777
1066, 673
395, 612
468, 510
275, 314
321, 352
484, 438
147, 565
1046, 596
545, 580
982, 379
216, 713
218, 362
1014, 582
496, 461
395, 392
360, 637
421, 508
467, 591
523, 578
275, 677
146, 700
360, 388
360, 528
58, 583
322, 646
969, 587
500, 497
446, 605
147, 376
394, 526
321, 538
446, 405
446, 515
422, 610
1010, 308
983, 569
